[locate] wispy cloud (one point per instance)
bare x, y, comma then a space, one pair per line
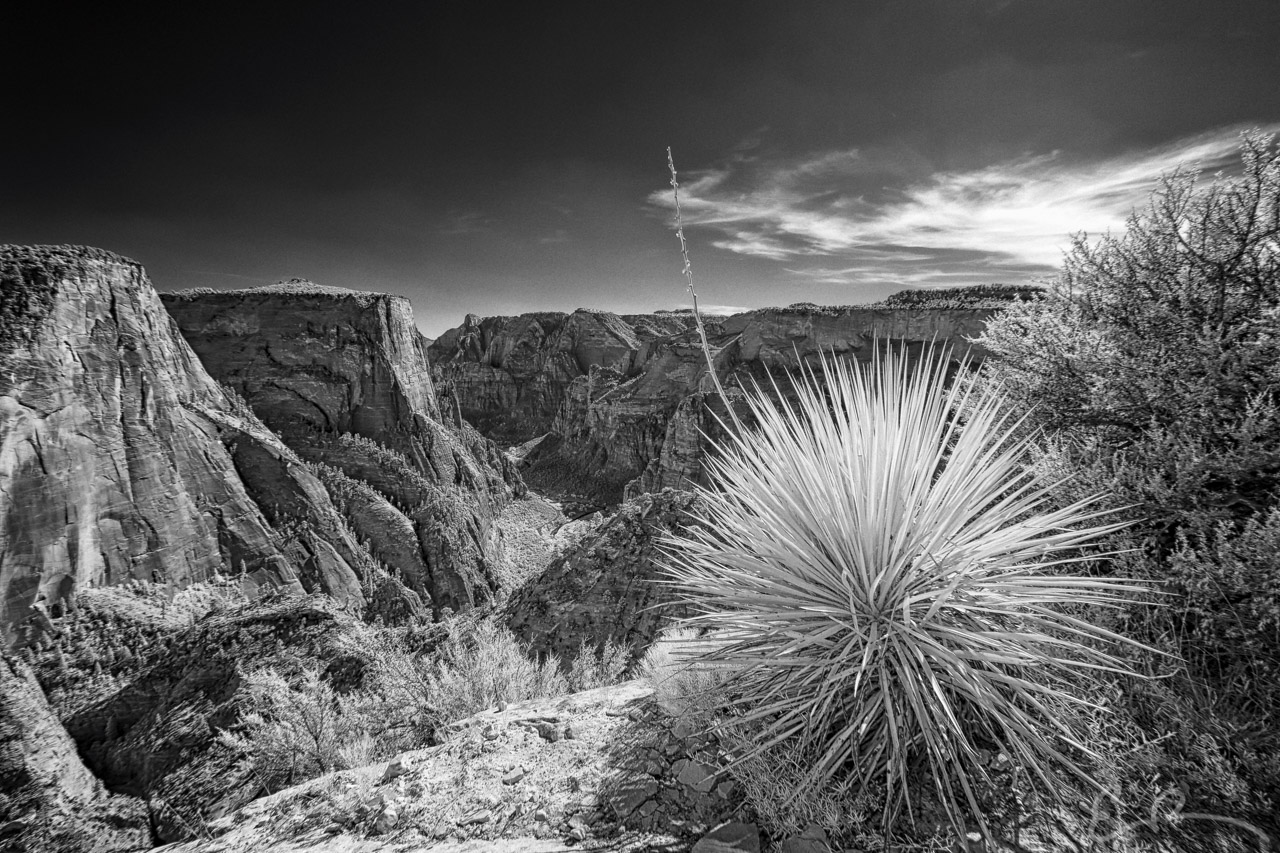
858, 216
465, 222
560, 236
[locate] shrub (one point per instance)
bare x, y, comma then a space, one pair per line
882, 573
1229, 580
1154, 363
295, 731
684, 685
597, 667
477, 665
482, 668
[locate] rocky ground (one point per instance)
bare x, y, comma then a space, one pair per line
600, 770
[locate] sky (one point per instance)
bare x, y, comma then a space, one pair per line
492, 159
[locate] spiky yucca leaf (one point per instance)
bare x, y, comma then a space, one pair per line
886, 571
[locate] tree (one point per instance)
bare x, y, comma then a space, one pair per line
1153, 362
1157, 351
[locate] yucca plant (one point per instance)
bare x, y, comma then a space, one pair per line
888, 575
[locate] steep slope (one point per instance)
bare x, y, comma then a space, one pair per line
343, 377
156, 736
121, 458
606, 587
48, 799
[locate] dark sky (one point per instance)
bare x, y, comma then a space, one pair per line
499, 158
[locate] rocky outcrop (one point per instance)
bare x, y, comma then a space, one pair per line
343, 377
637, 418
121, 458
509, 375
156, 737
606, 587
48, 799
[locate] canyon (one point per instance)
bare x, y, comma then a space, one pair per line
611, 406
199, 484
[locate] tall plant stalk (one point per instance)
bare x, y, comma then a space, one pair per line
697, 314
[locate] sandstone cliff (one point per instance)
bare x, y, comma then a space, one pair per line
509, 375
121, 458
343, 377
635, 418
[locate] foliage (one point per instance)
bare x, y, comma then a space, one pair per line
684, 685
1174, 320
974, 296
292, 287
1154, 362
295, 731
597, 667
472, 664
1229, 580
486, 666
886, 580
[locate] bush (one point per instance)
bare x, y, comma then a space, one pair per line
1154, 362
485, 667
592, 668
476, 665
296, 731
882, 573
1229, 582
684, 685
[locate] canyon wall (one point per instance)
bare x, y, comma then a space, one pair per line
617, 421
344, 378
121, 458
509, 375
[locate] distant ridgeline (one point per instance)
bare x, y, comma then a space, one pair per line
993, 296
610, 405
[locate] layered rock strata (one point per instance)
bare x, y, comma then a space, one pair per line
636, 417
121, 458
509, 375
343, 376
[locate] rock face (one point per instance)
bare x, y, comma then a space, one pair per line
121, 458
510, 375
48, 799
605, 588
630, 412
343, 377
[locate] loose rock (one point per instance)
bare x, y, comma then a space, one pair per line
730, 838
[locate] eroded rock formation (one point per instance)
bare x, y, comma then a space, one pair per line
634, 417
156, 738
121, 458
509, 375
48, 799
343, 377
